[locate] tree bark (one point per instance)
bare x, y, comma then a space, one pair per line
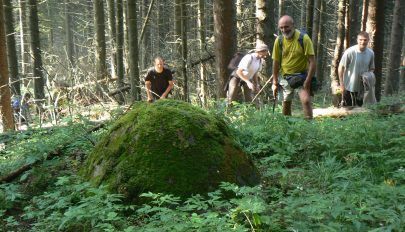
24, 44
364, 15
132, 23
309, 19
112, 35
315, 29
101, 67
394, 61
338, 53
184, 50
11, 49
225, 40
120, 49
201, 37
375, 27
264, 30
5, 98
39, 82
320, 62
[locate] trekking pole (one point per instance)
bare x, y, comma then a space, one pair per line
275, 100
264, 86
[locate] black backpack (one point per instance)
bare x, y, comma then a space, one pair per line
237, 57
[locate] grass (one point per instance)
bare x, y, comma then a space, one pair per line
329, 174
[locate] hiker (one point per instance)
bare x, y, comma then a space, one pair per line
356, 63
294, 57
246, 74
158, 81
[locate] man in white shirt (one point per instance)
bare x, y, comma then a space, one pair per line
355, 61
246, 75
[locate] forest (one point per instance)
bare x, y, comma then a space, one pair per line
73, 101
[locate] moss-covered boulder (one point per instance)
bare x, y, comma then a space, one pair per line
170, 147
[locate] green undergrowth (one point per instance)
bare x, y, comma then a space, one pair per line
328, 174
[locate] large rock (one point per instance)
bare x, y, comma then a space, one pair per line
170, 147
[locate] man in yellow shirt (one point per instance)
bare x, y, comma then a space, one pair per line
293, 61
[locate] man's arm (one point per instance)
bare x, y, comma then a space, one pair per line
244, 78
170, 87
341, 71
276, 67
311, 72
148, 85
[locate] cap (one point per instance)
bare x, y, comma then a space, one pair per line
261, 47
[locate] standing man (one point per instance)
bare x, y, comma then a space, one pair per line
294, 59
356, 61
246, 75
158, 81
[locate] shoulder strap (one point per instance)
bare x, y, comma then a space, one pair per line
280, 42
301, 39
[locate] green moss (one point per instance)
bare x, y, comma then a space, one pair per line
171, 147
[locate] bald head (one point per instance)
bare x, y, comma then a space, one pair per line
286, 26
286, 19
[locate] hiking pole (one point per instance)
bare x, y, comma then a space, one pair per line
275, 101
264, 86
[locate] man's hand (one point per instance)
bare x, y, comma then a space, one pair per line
250, 85
274, 87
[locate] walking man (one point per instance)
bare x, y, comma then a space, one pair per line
294, 58
356, 61
246, 75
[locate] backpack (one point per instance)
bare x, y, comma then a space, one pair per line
237, 57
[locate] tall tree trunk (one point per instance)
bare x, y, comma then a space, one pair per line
309, 19
24, 41
225, 40
177, 29
36, 54
133, 50
50, 34
101, 67
113, 35
315, 29
69, 35
402, 73
120, 49
184, 49
281, 8
338, 52
11, 49
5, 98
264, 30
375, 27
320, 62
354, 24
364, 15
394, 61
201, 37
347, 30
303, 14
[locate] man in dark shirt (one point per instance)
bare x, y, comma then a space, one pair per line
158, 81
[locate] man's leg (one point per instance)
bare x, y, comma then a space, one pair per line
247, 93
233, 90
287, 108
288, 94
305, 98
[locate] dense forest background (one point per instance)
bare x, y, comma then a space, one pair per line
73, 68
76, 53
